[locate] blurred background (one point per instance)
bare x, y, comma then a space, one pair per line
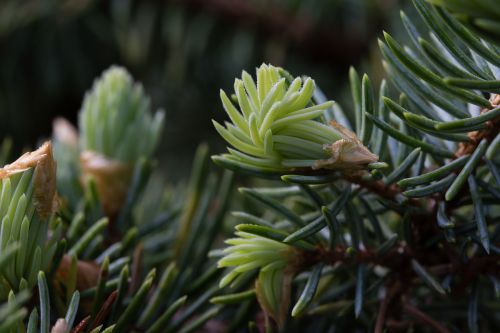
182, 51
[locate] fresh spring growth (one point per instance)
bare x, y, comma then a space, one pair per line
275, 263
27, 201
278, 127
116, 130
116, 121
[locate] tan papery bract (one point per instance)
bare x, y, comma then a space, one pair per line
495, 100
45, 198
45, 184
87, 272
61, 326
87, 276
348, 153
112, 179
26, 161
65, 132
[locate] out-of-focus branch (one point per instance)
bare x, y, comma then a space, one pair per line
273, 20
424, 318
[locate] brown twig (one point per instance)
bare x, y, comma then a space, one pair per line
379, 325
394, 258
398, 258
398, 325
105, 309
82, 325
382, 310
424, 318
136, 268
378, 187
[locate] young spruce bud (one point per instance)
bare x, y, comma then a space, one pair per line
116, 130
275, 261
278, 128
27, 201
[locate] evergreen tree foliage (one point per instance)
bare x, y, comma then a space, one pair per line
379, 216
480, 15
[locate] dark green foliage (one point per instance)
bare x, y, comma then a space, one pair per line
433, 231
481, 15
408, 241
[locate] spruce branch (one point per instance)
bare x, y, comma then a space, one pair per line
377, 228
